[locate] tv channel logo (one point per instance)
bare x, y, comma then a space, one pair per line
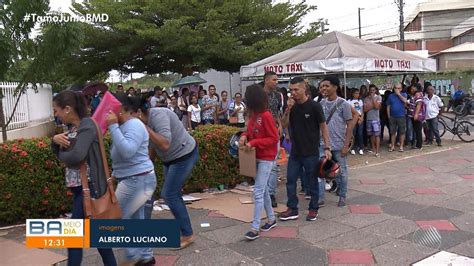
55, 227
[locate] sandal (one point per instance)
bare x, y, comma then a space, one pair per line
390, 149
401, 150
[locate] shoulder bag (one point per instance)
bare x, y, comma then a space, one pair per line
107, 206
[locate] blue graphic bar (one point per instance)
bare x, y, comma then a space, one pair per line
134, 233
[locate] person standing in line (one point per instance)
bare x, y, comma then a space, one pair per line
372, 105
396, 114
194, 113
223, 109
238, 109
133, 170
434, 106
178, 152
262, 135
305, 120
341, 120
414, 107
358, 105
80, 144
275, 102
209, 106
183, 103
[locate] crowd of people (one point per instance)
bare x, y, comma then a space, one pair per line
318, 122
139, 134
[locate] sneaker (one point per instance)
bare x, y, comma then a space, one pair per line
312, 215
289, 214
377, 155
274, 201
333, 187
307, 197
266, 227
321, 203
342, 202
252, 235
361, 152
353, 152
327, 187
146, 262
440, 145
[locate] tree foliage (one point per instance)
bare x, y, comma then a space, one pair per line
183, 36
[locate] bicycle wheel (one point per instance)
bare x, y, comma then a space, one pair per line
466, 131
441, 127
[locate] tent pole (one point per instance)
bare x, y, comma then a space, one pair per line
345, 85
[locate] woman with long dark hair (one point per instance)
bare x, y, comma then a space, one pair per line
262, 135
79, 144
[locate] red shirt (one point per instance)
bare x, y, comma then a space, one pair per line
263, 135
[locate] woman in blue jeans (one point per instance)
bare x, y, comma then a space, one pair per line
262, 135
178, 151
133, 169
74, 147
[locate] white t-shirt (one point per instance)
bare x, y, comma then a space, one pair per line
195, 113
357, 104
433, 106
240, 113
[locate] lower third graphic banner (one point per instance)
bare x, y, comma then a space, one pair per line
78, 233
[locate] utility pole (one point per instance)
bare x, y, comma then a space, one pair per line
402, 33
360, 28
323, 23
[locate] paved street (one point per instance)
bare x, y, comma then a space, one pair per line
389, 200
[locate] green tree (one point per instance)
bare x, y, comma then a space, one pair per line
32, 59
183, 36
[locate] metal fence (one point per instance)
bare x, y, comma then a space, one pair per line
20, 118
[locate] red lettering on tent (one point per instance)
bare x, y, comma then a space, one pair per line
377, 63
280, 69
293, 68
299, 67
287, 68
390, 63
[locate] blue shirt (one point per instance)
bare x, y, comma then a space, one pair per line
129, 152
397, 107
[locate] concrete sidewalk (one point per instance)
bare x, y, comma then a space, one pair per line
389, 200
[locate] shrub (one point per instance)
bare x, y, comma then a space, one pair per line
32, 179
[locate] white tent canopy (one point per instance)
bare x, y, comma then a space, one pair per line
338, 53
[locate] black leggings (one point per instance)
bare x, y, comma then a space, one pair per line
417, 128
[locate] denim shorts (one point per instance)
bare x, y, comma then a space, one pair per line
373, 127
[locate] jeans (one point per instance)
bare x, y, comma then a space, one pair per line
409, 138
272, 180
304, 183
417, 128
75, 254
295, 163
321, 181
358, 133
132, 193
341, 179
261, 195
175, 176
433, 130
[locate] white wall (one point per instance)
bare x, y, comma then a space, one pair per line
40, 105
223, 81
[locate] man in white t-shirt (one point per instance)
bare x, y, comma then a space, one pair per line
434, 106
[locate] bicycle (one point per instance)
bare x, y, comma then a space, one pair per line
462, 128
